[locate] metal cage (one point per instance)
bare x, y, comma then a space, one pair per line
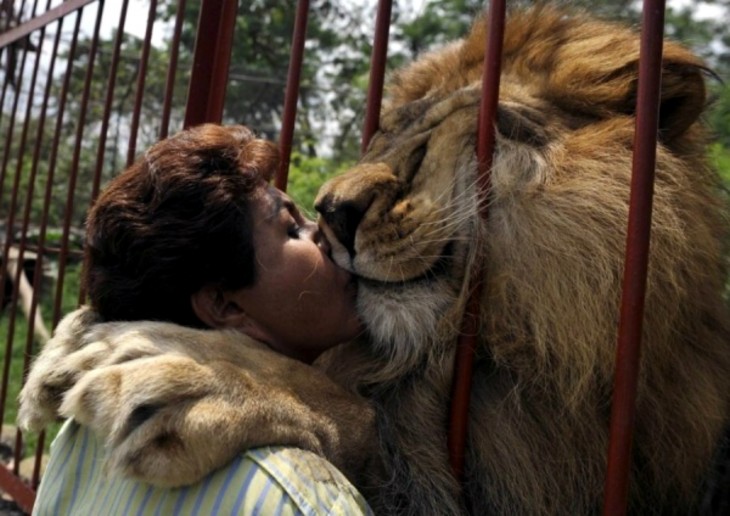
64, 145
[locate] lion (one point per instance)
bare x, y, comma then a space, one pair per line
405, 221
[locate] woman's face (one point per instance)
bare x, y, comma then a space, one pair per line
301, 300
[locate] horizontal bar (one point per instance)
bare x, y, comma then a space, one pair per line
44, 19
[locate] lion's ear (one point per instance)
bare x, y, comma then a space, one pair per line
589, 79
682, 99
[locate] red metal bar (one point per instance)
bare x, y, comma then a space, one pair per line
100, 152
292, 93
377, 72
64, 251
40, 249
141, 75
36, 22
13, 112
623, 408
466, 346
12, 485
101, 149
38, 271
11, 221
8, 75
209, 77
172, 69
23, 495
19, 271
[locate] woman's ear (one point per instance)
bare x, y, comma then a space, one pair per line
220, 309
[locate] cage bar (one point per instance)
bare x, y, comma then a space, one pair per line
377, 72
100, 152
209, 77
172, 69
467, 342
5, 269
37, 22
292, 93
19, 271
141, 76
623, 407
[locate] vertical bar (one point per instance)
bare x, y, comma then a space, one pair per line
292, 93
38, 271
209, 77
172, 69
73, 176
101, 150
4, 268
19, 271
13, 112
11, 484
377, 72
8, 74
466, 346
623, 407
141, 75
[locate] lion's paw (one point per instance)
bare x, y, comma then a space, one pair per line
156, 416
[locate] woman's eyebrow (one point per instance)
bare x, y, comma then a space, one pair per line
280, 203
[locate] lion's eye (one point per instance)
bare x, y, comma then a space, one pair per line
522, 124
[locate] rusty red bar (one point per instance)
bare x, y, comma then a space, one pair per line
141, 75
16, 488
8, 75
377, 72
209, 77
63, 254
467, 343
292, 93
100, 152
112, 80
38, 270
11, 124
4, 270
623, 407
40, 249
28, 207
172, 69
36, 22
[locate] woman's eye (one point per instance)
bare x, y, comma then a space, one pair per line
294, 231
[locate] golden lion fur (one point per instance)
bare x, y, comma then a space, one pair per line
174, 405
553, 251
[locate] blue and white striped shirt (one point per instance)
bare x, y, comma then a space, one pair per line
263, 481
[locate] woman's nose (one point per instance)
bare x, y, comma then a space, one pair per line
321, 240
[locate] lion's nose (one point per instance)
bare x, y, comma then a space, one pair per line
343, 218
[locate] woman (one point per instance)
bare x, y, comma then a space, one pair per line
193, 234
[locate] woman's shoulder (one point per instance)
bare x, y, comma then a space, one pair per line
270, 480
313, 482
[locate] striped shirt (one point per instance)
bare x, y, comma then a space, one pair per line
265, 481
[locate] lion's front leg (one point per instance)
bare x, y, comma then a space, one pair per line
169, 420
175, 403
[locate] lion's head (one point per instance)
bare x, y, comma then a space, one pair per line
405, 221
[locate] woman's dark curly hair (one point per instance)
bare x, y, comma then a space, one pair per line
176, 220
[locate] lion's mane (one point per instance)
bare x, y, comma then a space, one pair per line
554, 254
